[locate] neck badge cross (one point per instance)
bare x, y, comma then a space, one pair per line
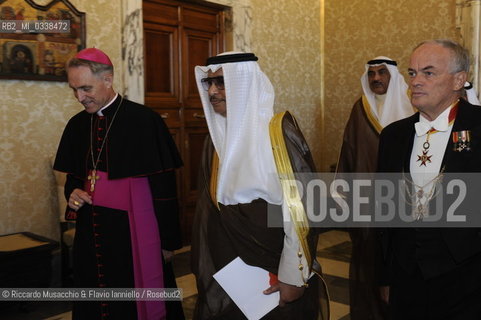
424, 158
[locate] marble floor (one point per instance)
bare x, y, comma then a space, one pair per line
333, 253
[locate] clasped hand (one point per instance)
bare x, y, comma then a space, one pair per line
78, 198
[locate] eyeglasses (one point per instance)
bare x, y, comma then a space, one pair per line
218, 81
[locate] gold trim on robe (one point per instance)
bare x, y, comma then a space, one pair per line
372, 118
288, 183
213, 178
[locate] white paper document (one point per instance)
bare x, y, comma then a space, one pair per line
244, 284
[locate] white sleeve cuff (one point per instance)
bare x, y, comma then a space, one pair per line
293, 269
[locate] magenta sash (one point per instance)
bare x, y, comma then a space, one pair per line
133, 195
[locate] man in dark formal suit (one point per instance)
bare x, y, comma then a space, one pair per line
433, 273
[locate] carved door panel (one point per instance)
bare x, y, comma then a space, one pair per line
162, 85
177, 37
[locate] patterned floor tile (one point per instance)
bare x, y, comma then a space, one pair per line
333, 253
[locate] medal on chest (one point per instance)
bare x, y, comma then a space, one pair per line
425, 157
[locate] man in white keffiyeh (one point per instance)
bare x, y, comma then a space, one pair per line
237, 184
384, 100
470, 94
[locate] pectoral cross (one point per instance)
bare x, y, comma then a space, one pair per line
93, 177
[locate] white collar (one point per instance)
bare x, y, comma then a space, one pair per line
441, 123
100, 113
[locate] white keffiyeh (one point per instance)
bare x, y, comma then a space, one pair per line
471, 94
247, 169
396, 104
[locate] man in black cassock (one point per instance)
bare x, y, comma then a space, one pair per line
120, 161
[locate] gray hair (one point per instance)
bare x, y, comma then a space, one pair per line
96, 68
460, 61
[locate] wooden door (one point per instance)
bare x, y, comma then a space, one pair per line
177, 37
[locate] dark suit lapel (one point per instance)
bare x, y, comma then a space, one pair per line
408, 143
